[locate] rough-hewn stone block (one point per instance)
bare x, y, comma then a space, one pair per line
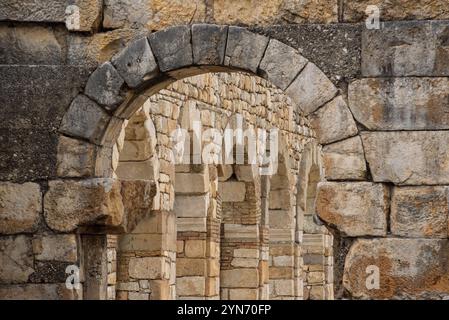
104, 86
191, 206
420, 212
55, 247
172, 47
239, 278
311, 89
69, 204
281, 64
136, 63
333, 122
148, 268
209, 44
244, 49
190, 286
195, 248
354, 208
85, 119
400, 103
16, 255
191, 267
344, 160
75, 158
408, 158
232, 191
355, 10
408, 268
191, 183
406, 49
20, 207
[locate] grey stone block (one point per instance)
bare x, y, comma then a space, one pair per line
280, 64
104, 86
85, 119
172, 47
136, 63
415, 48
244, 49
209, 44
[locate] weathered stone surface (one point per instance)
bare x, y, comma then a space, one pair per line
55, 247
191, 224
30, 45
400, 103
311, 89
344, 160
354, 208
420, 212
406, 49
20, 207
209, 43
152, 14
104, 86
415, 157
190, 286
85, 119
69, 204
232, 191
191, 183
195, 248
190, 267
136, 63
408, 268
334, 48
333, 122
147, 268
244, 49
41, 291
75, 158
239, 278
281, 64
172, 47
397, 10
191, 206
274, 12
137, 198
16, 256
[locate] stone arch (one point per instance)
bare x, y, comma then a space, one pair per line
118, 88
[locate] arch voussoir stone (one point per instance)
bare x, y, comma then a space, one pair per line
209, 44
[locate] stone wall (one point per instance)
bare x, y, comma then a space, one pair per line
375, 100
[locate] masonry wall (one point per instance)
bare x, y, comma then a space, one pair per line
394, 80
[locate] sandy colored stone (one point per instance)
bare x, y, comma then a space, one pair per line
239, 278
69, 204
190, 286
344, 160
20, 207
400, 103
243, 294
147, 268
195, 248
191, 183
420, 212
354, 208
397, 10
190, 267
408, 158
232, 191
408, 268
56, 247
16, 256
75, 158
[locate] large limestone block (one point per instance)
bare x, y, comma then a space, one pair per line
420, 212
355, 10
69, 204
137, 198
400, 103
172, 47
16, 256
408, 268
408, 158
333, 122
190, 286
40, 291
232, 191
191, 183
104, 86
56, 247
148, 268
209, 44
244, 49
85, 119
311, 89
345, 160
20, 207
191, 206
239, 278
415, 48
190, 267
354, 208
281, 64
136, 63
76, 158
